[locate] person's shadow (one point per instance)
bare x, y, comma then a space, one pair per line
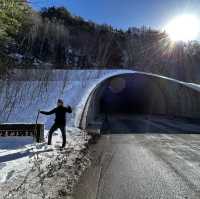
21, 154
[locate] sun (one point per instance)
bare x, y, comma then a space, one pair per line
183, 28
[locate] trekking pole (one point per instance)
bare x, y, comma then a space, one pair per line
35, 131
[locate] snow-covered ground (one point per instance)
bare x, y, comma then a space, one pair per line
30, 170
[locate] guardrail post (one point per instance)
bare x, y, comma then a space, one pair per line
39, 137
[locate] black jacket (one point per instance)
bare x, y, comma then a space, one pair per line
60, 113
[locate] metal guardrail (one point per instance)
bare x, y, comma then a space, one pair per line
36, 131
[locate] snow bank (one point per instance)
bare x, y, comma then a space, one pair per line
40, 171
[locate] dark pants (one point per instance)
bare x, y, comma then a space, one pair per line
54, 128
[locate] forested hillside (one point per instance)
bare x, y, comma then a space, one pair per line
14, 17
53, 38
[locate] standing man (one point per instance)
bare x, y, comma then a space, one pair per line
60, 120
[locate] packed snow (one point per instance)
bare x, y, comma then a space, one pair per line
30, 170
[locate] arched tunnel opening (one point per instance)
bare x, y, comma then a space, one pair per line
138, 103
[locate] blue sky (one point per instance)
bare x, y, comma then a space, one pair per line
126, 13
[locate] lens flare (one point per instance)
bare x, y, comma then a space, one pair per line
183, 28
117, 84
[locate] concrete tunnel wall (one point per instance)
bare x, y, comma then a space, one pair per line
165, 96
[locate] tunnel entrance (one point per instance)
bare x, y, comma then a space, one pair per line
127, 103
138, 103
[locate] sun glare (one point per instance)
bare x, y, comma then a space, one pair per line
183, 28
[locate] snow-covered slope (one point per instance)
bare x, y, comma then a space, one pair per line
26, 92
38, 171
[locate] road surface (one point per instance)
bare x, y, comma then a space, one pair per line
143, 166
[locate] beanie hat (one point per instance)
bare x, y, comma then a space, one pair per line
60, 101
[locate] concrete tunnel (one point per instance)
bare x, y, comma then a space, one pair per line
136, 94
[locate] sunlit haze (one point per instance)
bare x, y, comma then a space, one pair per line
183, 28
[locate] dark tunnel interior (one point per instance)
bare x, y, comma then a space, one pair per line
127, 96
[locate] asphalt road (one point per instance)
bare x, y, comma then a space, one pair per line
143, 166
124, 124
